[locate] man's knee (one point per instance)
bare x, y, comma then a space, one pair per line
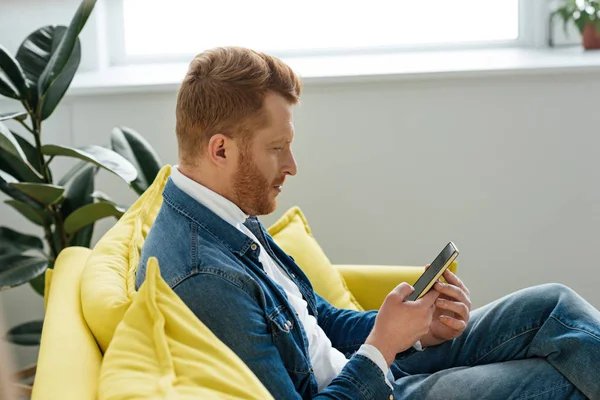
548, 295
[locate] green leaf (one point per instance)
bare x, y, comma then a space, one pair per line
11, 68
6, 165
79, 189
89, 214
38, 284
78, 194
9, 143
6, 88
71, 173
132, 146
18, 115
104, 198
15, 166
51, 85
83, 237
32, 213
34, 55
16, 242
56, 92
32, 155
101, 156
14, 193
43, 193
27, 334
17, 269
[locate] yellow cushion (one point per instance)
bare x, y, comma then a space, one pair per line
292, 233
108, 279
162, 351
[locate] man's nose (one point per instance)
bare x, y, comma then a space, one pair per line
290, 167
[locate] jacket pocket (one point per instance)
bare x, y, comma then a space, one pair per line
279, 323
287, 337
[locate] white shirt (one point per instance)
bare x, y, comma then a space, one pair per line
326, 360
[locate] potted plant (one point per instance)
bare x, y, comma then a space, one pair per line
585, 14
65, 209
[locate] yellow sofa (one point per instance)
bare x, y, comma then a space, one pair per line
71, 356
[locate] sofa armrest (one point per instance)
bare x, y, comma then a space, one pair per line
370, 284
69, 359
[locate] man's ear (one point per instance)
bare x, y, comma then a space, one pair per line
219, 147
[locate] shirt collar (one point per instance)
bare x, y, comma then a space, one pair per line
218, 204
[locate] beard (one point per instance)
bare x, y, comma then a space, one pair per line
251, 189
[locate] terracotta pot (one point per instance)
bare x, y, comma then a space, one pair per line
591, 38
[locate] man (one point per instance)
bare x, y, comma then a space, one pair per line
234, 132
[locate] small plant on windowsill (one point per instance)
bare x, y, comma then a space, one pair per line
585, 14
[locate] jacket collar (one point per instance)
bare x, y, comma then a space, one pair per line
217, 227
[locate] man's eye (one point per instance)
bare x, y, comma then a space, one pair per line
278, 148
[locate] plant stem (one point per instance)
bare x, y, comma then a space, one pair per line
50, 240
37, 128
26, 126
55, 210
61, 228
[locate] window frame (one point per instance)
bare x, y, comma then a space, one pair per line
533, 32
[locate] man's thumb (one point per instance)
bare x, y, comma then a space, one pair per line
403, 290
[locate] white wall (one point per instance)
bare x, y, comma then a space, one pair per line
506, 167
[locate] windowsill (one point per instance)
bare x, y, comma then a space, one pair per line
364, 68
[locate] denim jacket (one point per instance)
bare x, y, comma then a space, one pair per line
214, 269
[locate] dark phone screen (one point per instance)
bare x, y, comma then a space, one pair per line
432, 271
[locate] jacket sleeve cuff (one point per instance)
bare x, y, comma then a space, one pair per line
375, 355
364, 379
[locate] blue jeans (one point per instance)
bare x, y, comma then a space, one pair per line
538, 343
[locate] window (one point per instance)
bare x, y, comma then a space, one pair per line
169, 30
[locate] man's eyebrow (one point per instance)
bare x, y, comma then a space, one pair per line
283, 139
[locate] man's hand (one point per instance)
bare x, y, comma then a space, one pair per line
399, 324
452, 309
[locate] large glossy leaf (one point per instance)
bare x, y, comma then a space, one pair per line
101, 156
17, 269
66, 178
62, 83
7, 167
78, 194
14, 193
83, 237
17, 168
7, 89
38, 283
18, 115
12, 70
34, 54
9, 143
12, 241
140, 153
43, 193
52, 83
89, 214
102, 197
79, 188
32, 213
27, 334
31, 153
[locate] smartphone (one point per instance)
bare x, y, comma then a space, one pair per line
433, 273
